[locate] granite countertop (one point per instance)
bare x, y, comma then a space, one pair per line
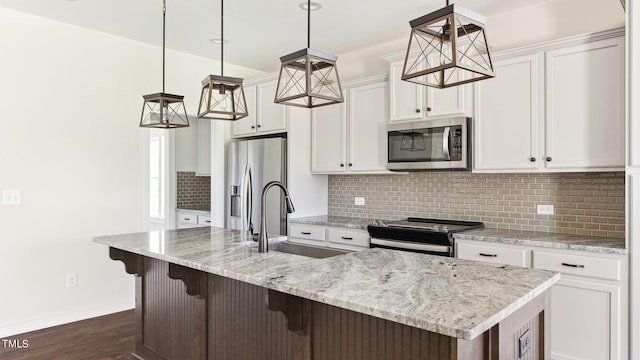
453, 297
549, 240
335, 221
202, 211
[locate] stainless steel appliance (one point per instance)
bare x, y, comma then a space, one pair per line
428, 236
251, 164
430, 145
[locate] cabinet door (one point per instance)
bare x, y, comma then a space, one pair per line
367, 128
328, 139
448, 102
271, 116
203, 153
406, 99
584, 315
247, 125
506, 128
585, 90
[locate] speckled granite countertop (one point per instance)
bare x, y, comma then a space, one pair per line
195, 211
454, 297
548, 240
335, 221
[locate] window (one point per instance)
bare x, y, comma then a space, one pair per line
156, 178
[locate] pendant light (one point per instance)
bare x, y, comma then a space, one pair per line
222, 97
308, 78
452, 49
162, 110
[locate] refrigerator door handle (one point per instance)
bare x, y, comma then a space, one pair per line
249, 199
243, 202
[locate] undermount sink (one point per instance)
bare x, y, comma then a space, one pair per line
306, 250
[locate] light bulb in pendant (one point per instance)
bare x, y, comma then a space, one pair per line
446, 53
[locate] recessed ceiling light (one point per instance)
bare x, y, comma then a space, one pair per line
314, 6
219, 41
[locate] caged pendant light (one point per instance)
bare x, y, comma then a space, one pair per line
222, 97
452, 49
308, 78
162, 110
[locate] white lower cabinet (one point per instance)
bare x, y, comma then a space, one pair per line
588, 304
334, 237
188, 219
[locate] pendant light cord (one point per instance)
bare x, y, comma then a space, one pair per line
308, 23
221, 37
164, 15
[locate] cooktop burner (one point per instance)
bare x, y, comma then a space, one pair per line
430, 225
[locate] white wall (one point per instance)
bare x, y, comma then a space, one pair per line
69, 139
551, 20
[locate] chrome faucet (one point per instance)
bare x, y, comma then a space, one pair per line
263, 242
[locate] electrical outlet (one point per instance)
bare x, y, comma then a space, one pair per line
545, 209
524, 343
11, 197
72, 280
359, 201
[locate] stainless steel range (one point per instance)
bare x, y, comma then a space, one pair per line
428, 236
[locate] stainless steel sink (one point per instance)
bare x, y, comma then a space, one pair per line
306, 250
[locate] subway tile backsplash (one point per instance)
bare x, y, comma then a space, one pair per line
194, 192
585, 203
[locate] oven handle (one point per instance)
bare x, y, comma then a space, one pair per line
411, 246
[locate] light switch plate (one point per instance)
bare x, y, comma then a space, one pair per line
524, 343
545, 209
359, 201
11, 197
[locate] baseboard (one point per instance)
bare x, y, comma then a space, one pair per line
67, 317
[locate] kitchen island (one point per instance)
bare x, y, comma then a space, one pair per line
202, 293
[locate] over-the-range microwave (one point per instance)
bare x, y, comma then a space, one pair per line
430, 145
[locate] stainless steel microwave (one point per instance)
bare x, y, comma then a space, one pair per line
430, 145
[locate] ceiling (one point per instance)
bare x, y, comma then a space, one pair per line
259, 31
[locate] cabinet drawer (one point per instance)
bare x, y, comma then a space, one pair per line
597, 267
204, 220
187, 218
494, 254
348, 237
307, 232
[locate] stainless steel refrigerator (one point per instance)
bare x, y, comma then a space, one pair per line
251, 164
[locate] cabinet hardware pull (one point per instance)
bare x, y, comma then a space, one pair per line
549, 158
207, 221
259, 125
346, 238
305, 233
341, 165
488, 255
187, 219
253, 126
533, 159
350, 164
573, 265
429, 108
417, 110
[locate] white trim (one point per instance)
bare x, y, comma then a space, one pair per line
66, 317
530, 49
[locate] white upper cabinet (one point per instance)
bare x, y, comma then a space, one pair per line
556, 110
265, 116
409, 101
329, 139
351, 137
585, 106
506, 119
367, 127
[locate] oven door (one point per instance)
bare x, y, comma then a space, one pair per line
433, 249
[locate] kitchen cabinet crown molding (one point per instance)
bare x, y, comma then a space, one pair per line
534, 48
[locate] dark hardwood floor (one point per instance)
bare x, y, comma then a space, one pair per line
106, 337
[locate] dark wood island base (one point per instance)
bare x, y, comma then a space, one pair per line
186, 314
